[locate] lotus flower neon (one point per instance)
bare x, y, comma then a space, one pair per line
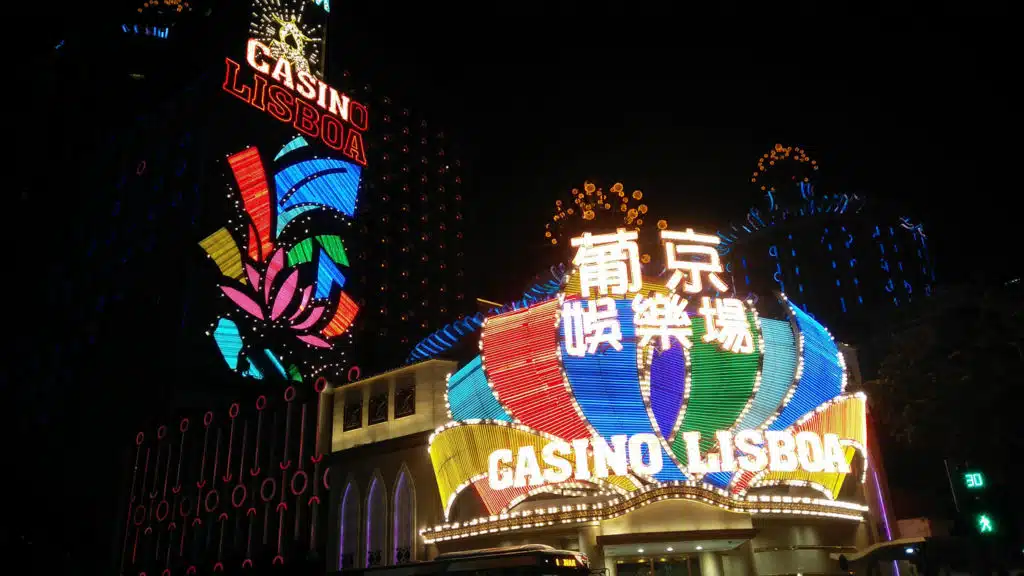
283, 281
536, 412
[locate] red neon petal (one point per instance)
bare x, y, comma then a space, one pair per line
314, 316
343, 316
275, 266
303, 302
314, 341
254, 276
521, 351
243, 301
252, 185
285, 295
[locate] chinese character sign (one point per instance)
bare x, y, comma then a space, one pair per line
726, 323
692, 255
589, 324
609, 265
663, 317
608, 262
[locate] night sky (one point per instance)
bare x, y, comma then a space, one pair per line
909, 108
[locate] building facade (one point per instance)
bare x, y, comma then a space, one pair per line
846, 258
411, 222
620, 450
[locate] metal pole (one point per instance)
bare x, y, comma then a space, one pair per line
945, 462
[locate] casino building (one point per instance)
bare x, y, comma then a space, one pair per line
439, 456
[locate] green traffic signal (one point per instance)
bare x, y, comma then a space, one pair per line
984, 524
974, 480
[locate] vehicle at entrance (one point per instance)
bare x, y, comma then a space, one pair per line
529, 560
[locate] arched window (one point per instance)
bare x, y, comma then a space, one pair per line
376, 522
404, 519
348, 548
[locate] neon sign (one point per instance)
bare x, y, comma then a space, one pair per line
615, 385
564, 461
298, 98
283, 280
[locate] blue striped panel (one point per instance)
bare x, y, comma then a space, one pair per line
606, 386
469, 396
822, 377
776, 375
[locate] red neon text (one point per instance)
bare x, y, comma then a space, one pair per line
309, 105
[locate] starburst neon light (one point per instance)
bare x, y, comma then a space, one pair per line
280, 25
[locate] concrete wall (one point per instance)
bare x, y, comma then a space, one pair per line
784, 546
359, 466
431, 384
675, 516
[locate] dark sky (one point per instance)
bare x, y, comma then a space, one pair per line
909, 106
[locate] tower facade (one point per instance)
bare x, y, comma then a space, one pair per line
849, 260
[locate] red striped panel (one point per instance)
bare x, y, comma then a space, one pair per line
252, 185
520, 357
497, 500
343, 317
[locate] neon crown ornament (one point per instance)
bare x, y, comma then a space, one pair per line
285, 284
622, 383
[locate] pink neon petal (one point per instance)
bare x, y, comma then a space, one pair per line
243, 300
254, 276
285, 295
303, 302
314, 341
275, 266
314, 316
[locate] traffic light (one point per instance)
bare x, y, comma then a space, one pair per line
974, 480
972, 499
984, 524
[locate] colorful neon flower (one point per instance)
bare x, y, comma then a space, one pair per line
289, 284
268, 300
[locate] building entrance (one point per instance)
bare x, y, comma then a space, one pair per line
658, 566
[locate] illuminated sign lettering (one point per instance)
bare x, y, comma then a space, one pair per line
298, 98
610, 264
746, 450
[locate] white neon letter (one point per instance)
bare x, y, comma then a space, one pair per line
636, 454
613, 456
579, 449
781, 451
694, 464
810, 451
499, 477
835, 456
560, 469
727, 450
527, 468
306, 85
283, 73
749, 443
339, 105
250, 56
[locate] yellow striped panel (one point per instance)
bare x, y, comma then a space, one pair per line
221, 246
846, 417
